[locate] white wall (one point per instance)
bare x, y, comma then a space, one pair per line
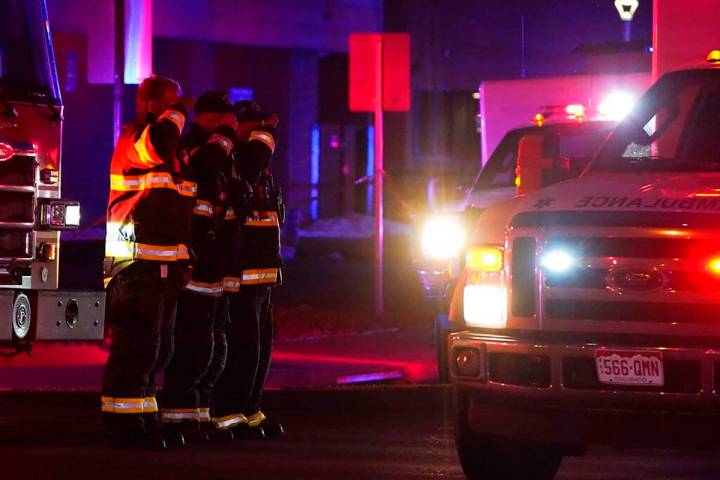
508, 104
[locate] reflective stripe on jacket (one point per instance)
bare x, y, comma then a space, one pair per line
151, 195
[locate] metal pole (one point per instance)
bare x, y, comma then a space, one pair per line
119, 70
378, 179
628, 31
523, 69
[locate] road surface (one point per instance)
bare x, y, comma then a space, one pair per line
357, 433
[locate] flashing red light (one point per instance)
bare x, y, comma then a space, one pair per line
6, 151
539, 119
714, 265
575, 111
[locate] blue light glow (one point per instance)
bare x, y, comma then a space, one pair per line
314, 171
557, 261
237, 94
370, 168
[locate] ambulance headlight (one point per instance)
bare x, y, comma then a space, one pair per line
442, 237
60, 215
485, 305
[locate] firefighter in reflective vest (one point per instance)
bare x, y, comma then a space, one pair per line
148, 219
185, 402
256, 264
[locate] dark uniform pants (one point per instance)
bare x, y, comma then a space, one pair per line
187, 375
249, 337
141, 306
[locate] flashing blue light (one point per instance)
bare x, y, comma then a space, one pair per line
370, 168
557, 261
314, 171
237, 94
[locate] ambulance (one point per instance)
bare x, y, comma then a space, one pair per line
440, 237
591, 308
33, 212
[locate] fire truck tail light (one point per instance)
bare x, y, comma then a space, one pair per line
6, 151
484, 259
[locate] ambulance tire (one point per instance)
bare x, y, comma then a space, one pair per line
484, 457
441, 350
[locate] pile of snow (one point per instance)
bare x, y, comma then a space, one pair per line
354, 226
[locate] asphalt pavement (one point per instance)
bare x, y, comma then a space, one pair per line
396, 432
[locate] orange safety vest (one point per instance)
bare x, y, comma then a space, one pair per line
151, 199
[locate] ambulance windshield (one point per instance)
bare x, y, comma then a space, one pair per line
27, 71
674, 127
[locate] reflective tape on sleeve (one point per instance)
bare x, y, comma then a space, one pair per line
225, 143
263, 137
203, 208
202, 288
229, 421
175, 117
122, 405
259, 276
263, 219
187, 189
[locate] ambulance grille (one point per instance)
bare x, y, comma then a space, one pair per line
647, 271
17, 208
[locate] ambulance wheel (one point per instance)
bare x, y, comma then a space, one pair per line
484, 457
441, 350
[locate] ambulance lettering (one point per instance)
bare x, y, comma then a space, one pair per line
638, 203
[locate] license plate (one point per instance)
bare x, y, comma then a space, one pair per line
626, 367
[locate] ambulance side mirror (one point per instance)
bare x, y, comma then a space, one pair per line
537, 156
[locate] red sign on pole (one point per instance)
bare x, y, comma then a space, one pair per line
395, 51
379, 80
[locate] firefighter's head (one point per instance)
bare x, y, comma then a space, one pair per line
155, 95
250, 116
213, 108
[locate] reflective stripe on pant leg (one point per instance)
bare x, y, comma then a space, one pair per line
150, 405
256, 419
204, 415
122, 405
178, 415
229, 421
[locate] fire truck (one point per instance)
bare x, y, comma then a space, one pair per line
590, 308
32, 212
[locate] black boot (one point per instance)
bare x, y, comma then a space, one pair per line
246, 432
153, 425
272, 429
